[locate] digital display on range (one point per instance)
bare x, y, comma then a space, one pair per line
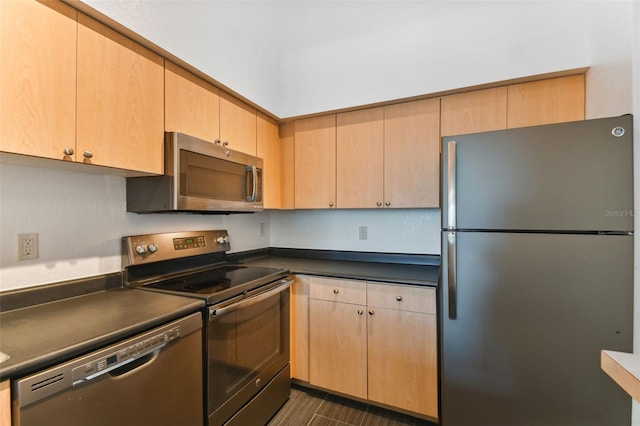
188, 243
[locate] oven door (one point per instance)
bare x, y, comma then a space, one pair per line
248, 344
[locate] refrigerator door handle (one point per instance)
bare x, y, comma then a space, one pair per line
451, 185
452, 284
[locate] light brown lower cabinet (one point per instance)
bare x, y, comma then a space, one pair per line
5, 403
375, 342
402, 355
299, 329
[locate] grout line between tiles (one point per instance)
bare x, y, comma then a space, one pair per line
332, 419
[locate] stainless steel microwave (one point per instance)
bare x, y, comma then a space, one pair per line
200, 176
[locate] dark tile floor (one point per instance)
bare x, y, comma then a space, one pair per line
308, 407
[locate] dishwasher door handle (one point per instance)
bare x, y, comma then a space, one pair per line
218, 312
132, 367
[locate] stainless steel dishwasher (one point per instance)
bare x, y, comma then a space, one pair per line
154, 378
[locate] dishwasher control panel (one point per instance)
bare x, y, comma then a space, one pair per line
123, 356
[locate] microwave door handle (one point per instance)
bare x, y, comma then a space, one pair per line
254, 172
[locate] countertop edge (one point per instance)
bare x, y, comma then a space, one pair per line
624, 369
399, 281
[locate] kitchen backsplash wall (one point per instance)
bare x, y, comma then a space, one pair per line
80, 218
388, 230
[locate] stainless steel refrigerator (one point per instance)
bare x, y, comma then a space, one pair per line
537, 274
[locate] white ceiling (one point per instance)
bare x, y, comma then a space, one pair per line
301, 57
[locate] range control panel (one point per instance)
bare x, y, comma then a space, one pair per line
189, 243
148, 248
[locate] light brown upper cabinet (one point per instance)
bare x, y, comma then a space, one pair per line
269, 151
554, 100
38, 78
287, 176
315, 162
360, 162
191, 105
237, 124
120, 117
471, 112
412, 154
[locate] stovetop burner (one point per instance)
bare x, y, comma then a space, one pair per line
191, 264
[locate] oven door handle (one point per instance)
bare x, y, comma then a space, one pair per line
284, 284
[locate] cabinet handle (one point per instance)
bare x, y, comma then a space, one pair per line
379, 204
68, 151
217, 141
360, 312
387, 204
330, 204
336, 291
87, 154
399, 298
225, 143
371, 312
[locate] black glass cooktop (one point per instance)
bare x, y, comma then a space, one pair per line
231, 279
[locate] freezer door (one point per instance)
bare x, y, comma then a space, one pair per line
569, 176
533, 313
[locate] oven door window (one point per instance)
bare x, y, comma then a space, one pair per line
213, 178
246, 346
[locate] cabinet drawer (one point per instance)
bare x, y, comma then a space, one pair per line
405, 298
345, 291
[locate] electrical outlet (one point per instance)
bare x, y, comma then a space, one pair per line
27, 246
262, 229
362, 232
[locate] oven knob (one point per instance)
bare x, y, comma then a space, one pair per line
222, 240
152, 248
141, 249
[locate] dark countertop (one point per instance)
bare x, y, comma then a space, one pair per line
54, 323
426, 275
42, 335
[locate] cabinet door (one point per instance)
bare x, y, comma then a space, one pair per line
269, 150
120, 100
5, 403
360, 139
237, 124
471, 112
412, 154
338, 347
38, 78
191, 105
315, 162
287, 184
549, 101
300, 328
402, 360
